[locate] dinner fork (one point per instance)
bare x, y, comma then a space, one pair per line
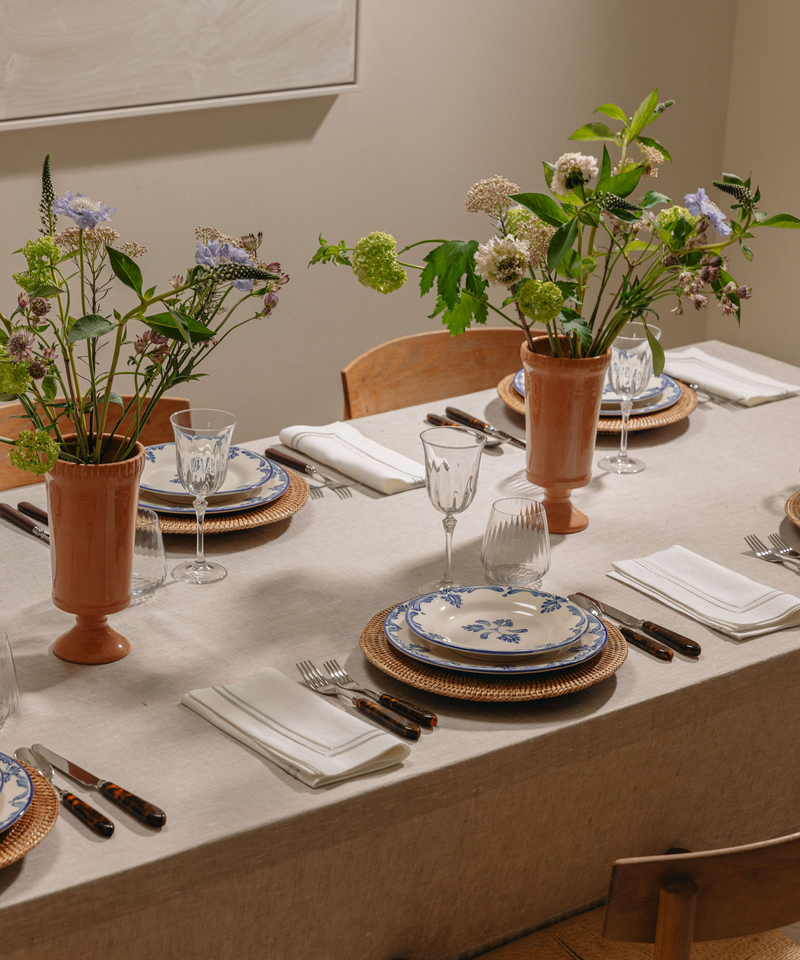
343, 679
339, 487
783, 549
764, 553
320, 684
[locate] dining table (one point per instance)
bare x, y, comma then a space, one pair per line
505, 816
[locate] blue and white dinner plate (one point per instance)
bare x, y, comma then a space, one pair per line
656, 386
16, 792
403, 638
670, 396
494, 623
274, 487
247, 472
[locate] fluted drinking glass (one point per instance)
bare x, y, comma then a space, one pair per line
202, 448
516, 545
9, 691
149, 559
452, 463
629, 375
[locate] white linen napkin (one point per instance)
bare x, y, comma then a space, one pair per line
342, 447
709, 593
726, 380
297, 729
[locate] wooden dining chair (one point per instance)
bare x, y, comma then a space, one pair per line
728, 903
428, 367
158, 429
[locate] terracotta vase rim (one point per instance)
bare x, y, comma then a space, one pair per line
138, 450
543, 338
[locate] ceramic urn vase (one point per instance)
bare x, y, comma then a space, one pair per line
562, 407
92, 511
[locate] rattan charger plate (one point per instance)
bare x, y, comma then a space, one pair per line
472, 686
287, 504
34, 825
678, 411
792, 508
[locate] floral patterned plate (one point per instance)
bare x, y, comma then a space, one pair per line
611, 399
247, 473
16, 792
498, 624
403, 638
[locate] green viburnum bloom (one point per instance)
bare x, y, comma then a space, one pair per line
42, 255
669, 217
14, 378
540, 300
36, 451
375, 262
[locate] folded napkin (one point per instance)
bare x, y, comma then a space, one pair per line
726, 380
342, 447
297, 729
709, 593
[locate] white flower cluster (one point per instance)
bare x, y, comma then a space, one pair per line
502, 261
490, 196
570, 169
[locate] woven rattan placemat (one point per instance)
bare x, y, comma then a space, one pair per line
678, 411
792, 508
474, 686
288, 503
34, 825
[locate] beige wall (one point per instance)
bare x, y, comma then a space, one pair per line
762, 139
452, 91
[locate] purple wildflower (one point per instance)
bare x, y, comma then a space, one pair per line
85, 212
270, 302
19, 346
699, 205
216, 253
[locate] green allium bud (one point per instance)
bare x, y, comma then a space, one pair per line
738, 190
35, 451
540, 300
375, 262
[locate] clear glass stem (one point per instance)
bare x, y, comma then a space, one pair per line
449, 524
626, 406
200, 505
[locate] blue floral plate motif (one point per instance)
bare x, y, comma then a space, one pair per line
670, 395
659, 385
16, 791
496, 623
403, 638
247, 472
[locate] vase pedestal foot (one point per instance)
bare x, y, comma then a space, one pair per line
91, 641
562, 515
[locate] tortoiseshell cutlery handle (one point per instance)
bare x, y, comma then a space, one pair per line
438, 421
466, 419
401, 727
146, 813
684, 644
288, 461
33, 511
406, 709
656, 649
93, 819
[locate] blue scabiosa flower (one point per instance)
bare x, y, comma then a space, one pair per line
215, 254
85, 212
700, 205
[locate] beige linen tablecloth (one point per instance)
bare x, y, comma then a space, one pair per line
502, 817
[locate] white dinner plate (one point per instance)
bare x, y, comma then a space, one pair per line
656, 386
247, 472
403, 638
16, 792
496, 624
670, 396
277, 485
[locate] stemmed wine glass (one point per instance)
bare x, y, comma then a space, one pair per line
452, 462
629, 375
202, 449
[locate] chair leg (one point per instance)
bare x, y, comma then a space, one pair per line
677, 903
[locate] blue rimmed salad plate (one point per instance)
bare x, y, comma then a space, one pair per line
247, 473
16, 791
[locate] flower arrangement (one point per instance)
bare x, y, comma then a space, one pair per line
582, 260
51, 345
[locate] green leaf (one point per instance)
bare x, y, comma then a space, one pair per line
88, 327
571, 322
458, 318
746, 250
643, 113
47, 290
543, 206
331, 252
561, 243
166, 324
605, 169
633, 245
549, 170
181, 322
650, 142
446, 265
624, 183
651, 198
50, 387
568, 288
656, 349
612, 110
785, 220
594, 131
732, 178
149, 293
125, 269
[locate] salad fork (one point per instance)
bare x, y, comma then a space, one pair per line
782, 548
343, 679
764, 553
339, 487
319, 684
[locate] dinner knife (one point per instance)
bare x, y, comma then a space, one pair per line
684, 644
25, 523
481, 425
289, 461
144, 812
637, 639
437, 421
32, 511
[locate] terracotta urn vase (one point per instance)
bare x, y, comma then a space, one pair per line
92, 513
562, 407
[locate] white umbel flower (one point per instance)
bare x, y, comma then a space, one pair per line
502, 261
571, 169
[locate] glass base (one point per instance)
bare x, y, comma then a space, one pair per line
621, 465
433, 586
194, 572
